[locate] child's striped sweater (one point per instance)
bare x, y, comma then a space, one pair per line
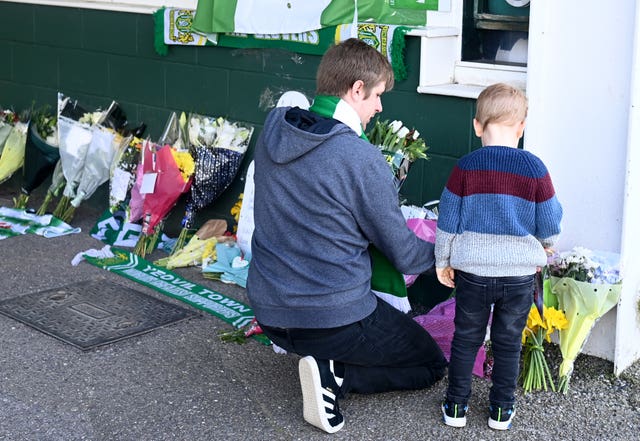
497, 213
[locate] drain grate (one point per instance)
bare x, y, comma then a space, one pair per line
92, 313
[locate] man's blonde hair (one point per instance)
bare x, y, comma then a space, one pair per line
501, 103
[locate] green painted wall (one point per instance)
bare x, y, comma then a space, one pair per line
98, 56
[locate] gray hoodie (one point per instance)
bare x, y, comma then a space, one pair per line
322, 196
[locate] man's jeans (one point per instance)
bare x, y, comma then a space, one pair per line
512, 298
385, 351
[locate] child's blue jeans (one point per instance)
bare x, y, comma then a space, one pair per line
511, 298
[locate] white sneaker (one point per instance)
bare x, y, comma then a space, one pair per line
319, 390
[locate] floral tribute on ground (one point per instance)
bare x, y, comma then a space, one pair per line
41, 153
13, 139
167, 173
541, 324
585, 285
218, 146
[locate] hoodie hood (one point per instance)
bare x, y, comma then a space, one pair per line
291, 132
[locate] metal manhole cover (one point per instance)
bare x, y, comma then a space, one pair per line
92, 313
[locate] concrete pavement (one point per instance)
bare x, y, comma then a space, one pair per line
181, 382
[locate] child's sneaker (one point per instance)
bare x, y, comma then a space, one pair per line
453, 414
320, 390
501, 417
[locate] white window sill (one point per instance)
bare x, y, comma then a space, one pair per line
442, 72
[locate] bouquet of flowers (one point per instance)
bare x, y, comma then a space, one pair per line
41, 153
218, 146
586, 285
104, 144
167, 174
12, 157
400, 146
200, 248
123, 173
74, 132
535, 373
8, 119
56, 186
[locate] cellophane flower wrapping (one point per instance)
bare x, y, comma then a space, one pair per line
105, 140
587, 285
56, 186
105, 146
74, 131
425, 229
12, 156
136, 201
172, 171
218, 146
8, 118
170, 185
41, 154
123, 174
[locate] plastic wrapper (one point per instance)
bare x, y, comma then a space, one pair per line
218, 146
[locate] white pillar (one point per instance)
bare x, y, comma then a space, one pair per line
579, 79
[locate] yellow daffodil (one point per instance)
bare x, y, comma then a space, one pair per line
535, 374
554, 320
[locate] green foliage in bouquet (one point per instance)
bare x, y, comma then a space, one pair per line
395, 137
46, 124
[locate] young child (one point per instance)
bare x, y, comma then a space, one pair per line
497, 214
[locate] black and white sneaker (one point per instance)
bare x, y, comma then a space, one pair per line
453, 414
319, 394
500, 418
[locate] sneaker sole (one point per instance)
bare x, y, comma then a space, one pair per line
313, 402
501, 425
453, 422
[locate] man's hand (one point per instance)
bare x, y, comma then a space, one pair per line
446, 276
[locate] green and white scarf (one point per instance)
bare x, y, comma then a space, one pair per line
174, 27
386, 281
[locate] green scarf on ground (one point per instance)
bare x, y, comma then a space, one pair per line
386, 281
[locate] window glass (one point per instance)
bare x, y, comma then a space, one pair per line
496, 31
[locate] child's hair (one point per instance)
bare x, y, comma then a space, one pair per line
349, 61
501, 103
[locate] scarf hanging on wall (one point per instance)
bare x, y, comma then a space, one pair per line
174, 26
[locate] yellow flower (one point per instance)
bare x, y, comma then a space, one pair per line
185, 163
534, 321
235, 210
554, 320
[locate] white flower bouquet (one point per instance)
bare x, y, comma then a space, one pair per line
585, 285
400, 145
218, 146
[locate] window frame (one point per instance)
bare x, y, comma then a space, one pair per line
442, 71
